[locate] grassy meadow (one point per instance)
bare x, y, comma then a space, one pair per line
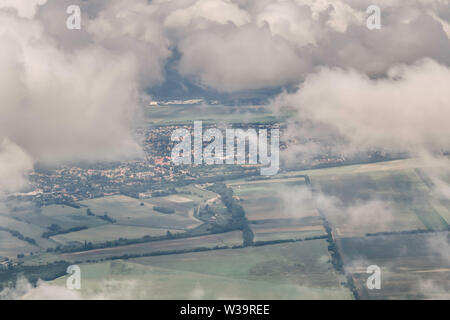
286, 271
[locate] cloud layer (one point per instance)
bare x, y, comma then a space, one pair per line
405, 111
73, 95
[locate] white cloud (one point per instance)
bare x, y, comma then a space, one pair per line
315, 33
290, 21
134, 28
14, 164
219, 11
58, 105
406, 111
237, 59
73, 95
24, 8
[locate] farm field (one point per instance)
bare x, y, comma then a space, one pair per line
195, 193
301, 263
27, 230
11, 246
109, 233
134, 218
377, 197
209, 241
64, 216
266, 199
399, 201
129, 211
261, 183
287, 271
384, 166
187, 114
413, 266
286, 230
359, 202
279, 209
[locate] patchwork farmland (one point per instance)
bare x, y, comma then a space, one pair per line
311, 237
286, 271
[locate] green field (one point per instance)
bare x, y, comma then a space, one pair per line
187, 114
275, 209
27, 229
356, 200
378, 197
413, 266
134, 218
406, 201
385, 166
230, 239
64, 216
109, 233
266, 199
286, 271
129, 211
11, 246
287, 229
196, 193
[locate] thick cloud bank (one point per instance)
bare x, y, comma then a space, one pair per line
269, 43
60, 105
73, 94
407, 111
14, 163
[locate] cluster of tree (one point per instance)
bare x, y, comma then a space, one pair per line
237, 222
195, 232
205, 211
164, 193
238, 219
119, 242
200, 249
19, 236
271, 242
391, 233
166, 252
226, 196
202, 179
247, 236
107, 218
197, 176
51, 271
103, 217
169, 235
131, 193
336, 259
164, 210
55, 229
70, 204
